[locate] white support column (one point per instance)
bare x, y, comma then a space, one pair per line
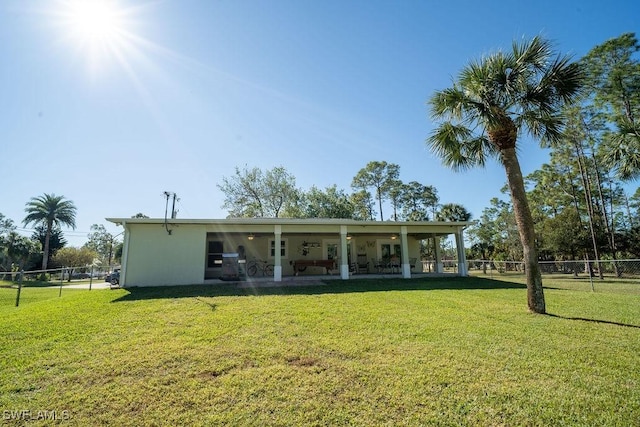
344, 260
277, 268
462, 260
406, 267
124, 261
436, 250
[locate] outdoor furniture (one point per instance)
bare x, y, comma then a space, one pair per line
412, 263
377, 264
384, 265
362, 265
394, 263
302, 264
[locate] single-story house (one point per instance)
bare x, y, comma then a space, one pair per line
197, 251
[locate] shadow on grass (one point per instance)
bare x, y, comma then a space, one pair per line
315, 288
584, 319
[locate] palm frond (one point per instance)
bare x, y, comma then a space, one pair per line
453, 103
474, 75
533, 53
566, 78
499, 78
626, 162
50, 209
447, 104
547, 128
624, 153
560, 83
458, 148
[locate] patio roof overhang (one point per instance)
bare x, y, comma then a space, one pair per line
416, 229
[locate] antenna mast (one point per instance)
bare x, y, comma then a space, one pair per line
167, 195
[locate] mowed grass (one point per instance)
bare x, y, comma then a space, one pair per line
457, 351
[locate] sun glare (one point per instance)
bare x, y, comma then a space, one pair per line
98, 30
95, 20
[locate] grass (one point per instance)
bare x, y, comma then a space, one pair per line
459, 351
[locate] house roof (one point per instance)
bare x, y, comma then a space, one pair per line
317, 225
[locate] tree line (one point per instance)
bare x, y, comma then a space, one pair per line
249, 193
256, 193
578, 202
47, 248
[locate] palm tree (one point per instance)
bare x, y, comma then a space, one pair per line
624, 154
453, 212
50, 210
493, 102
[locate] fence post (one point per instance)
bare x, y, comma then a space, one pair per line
91, 278
590, 272
61, 281
19, 288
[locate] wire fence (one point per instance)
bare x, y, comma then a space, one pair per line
626, 268
53, 281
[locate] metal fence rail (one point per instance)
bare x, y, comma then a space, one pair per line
86, 277
628, 268
57, 274
59, 278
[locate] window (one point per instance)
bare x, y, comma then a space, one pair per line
387, 250
283, 248
332, 251
214, 254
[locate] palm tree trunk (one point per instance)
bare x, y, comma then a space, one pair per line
524, 220
45, 251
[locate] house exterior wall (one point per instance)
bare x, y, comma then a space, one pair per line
155, 258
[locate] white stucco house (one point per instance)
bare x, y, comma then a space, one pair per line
191, 251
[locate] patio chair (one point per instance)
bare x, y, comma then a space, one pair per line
362, 265
394, 263
377, 264
384, 265
412, 263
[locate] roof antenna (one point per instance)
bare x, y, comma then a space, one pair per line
167, 195
174, 212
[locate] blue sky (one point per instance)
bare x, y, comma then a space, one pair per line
183, 91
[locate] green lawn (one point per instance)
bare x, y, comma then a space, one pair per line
459, 351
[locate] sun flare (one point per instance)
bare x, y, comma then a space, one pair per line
99, 31
94, 21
